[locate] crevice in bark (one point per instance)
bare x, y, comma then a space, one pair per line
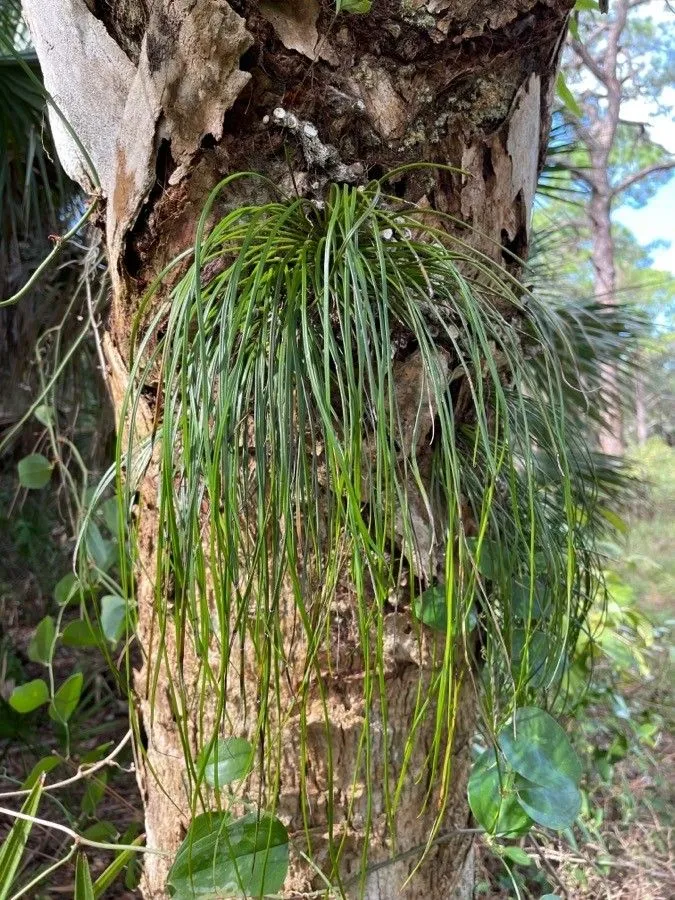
125, 21
140, 238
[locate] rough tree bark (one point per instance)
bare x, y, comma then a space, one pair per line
167, 97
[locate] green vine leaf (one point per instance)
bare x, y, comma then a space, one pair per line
67, 589
538, 749
359, 7
225, 857
27, 697
230, 760
554, 805
66, 698
431, 608
41, 646
518, 856
35, 471
113, 616
493, 799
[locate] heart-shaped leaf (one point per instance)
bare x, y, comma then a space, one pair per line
67, 589
41, 646
81, 634
225, 857
555, 805
492, 797
27, 697
34, 471
538, 749
230, 760
431, 608
530, 654
44, 414
487, 559
66, 698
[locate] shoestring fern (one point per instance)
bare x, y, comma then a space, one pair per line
349, 393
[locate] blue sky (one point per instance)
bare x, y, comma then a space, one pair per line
654, 221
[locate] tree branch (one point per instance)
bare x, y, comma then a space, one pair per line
643, 173
588, 60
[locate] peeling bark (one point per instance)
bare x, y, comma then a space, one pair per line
463, 84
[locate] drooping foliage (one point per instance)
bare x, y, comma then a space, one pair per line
347, 387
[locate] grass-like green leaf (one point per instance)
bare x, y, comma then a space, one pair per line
14, 844
84, 888
352, 393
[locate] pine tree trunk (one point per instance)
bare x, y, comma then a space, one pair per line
641, 421
167, 103
611, 434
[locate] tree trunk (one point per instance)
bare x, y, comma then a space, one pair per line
167, 102
598, 132
641, 423
611, 434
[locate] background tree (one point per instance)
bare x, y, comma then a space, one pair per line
612, 60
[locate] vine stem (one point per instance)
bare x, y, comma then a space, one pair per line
77, 838
82, 772
49, 259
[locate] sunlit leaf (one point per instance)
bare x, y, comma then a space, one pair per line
567, 96
66, 698
537, 748
27, 697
